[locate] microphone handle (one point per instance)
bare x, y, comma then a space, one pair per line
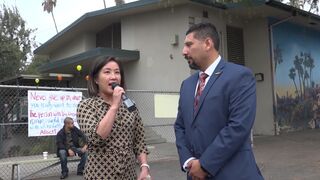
130, 105
124, 96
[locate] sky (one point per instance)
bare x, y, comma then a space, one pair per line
65, 12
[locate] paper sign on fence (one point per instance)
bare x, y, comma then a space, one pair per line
47, 110
166, 106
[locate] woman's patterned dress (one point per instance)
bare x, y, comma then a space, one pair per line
113, 158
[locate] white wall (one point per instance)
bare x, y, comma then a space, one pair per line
258, 58
155, 70
152, 33
89, 41
216, 17
78, 45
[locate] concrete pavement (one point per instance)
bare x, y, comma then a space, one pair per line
160, 170
292, 156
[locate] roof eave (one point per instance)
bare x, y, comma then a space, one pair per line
122, 55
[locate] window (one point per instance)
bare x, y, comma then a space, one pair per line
235, 45
109, 37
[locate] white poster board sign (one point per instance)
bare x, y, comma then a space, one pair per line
48, 109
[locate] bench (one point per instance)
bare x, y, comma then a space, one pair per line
16, 165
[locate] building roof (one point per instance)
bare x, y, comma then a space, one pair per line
97, 20
94, 21
68, 65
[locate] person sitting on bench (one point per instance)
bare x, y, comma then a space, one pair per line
71, 142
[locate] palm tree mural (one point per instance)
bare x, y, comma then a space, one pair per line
296, 112
297, 94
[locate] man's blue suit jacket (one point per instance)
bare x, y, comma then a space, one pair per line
218, 133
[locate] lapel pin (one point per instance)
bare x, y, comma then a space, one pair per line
218, 73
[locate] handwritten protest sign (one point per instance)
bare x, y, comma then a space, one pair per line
47, 110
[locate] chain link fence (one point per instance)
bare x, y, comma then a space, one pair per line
15, 145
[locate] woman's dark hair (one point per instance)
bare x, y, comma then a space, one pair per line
99, 63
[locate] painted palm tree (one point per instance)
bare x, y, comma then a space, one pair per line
306, 65
48, 6
277, 56
303, 65
292, 75
298, 66
306, 77
310, 64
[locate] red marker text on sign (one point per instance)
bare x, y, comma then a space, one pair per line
35, 96
53, 98
48, 132
70, 98
33, 114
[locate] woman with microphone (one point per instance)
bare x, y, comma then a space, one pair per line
115, 134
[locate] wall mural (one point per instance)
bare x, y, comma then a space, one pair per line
297, 76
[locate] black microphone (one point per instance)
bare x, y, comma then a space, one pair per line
130, 105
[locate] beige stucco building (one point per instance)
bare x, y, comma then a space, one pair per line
148, 36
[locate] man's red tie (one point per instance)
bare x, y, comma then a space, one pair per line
201, 85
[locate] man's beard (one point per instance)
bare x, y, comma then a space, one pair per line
192, 64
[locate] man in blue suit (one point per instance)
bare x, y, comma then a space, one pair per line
216, 112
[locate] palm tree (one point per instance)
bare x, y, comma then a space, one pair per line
119, 2
292, 75
104, 2
313, 4
48, 6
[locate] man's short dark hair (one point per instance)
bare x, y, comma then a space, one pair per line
205, 30
68, 119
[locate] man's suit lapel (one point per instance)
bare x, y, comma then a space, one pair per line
191, 93
215, 75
